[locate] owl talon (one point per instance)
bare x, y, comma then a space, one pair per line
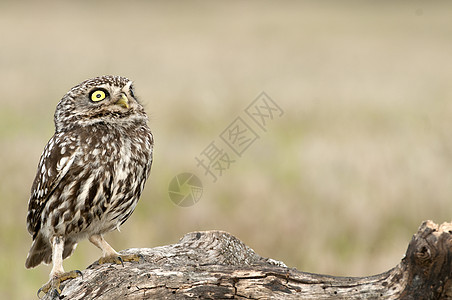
79, 273
54, 284
45, 290
54, 294
120, 259
132, 257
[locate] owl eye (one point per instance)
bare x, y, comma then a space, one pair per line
98, 95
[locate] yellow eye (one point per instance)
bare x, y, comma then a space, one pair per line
98, 95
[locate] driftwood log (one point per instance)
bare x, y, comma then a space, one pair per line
216, 265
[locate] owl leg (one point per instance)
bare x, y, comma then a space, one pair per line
109, 255
57, 274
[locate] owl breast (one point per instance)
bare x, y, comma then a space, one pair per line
103, 184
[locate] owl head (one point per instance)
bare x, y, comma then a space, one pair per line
105, 99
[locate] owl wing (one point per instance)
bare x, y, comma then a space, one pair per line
56, 160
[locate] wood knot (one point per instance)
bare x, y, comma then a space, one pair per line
423, 255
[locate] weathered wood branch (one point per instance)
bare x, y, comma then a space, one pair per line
216, 265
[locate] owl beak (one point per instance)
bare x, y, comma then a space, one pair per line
123, 101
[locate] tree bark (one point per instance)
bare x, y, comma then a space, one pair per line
216, 265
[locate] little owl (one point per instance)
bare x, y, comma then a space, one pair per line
91, 174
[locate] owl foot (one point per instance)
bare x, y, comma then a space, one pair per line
53, 285
119, 259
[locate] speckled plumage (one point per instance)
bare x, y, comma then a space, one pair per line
92, 171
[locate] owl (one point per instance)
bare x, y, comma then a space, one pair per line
90, 175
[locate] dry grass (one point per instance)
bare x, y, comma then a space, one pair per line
337, 185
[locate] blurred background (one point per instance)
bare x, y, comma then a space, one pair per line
337, 185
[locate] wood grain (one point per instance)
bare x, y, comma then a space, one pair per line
217, 265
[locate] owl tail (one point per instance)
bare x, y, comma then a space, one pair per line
40, 251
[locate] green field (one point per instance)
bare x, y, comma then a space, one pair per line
338, 184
